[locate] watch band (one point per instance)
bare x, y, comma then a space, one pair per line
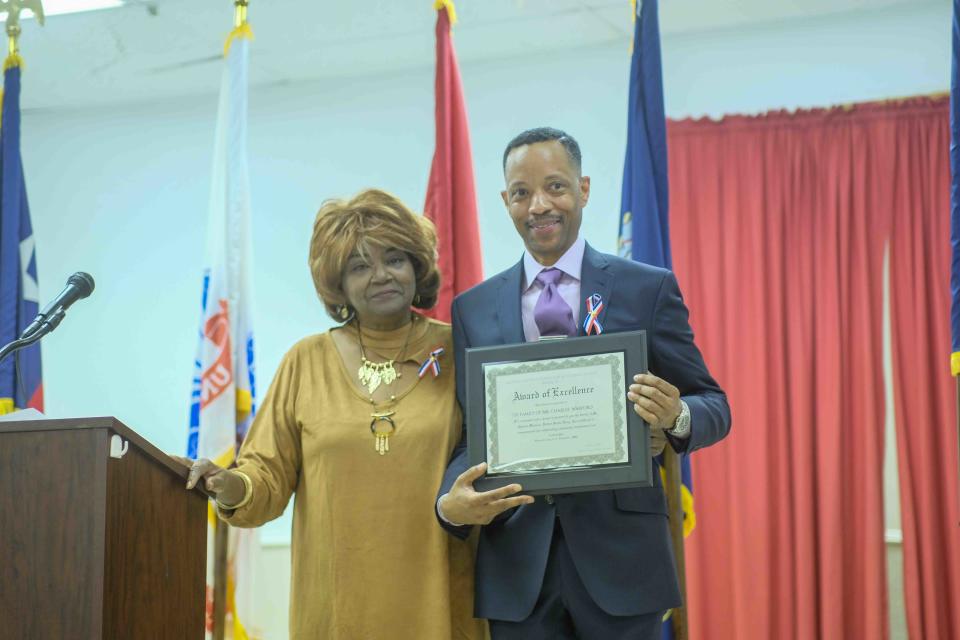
681, 427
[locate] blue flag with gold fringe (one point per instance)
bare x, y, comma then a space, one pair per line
20, 379
955, 192
644, 201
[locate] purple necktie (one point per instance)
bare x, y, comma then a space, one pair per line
552, 313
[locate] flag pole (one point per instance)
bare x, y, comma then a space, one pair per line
672, 486
13, 35
221, 540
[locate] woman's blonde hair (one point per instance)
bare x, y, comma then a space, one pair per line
370, 218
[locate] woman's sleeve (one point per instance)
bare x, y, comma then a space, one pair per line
271, 453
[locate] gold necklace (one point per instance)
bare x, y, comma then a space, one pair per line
371, 374
382, 427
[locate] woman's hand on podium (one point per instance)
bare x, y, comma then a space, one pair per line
226, 485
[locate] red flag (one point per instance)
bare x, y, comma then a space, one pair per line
451, 195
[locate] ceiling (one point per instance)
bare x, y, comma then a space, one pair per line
162, 49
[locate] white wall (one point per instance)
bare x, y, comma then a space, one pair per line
900, 51
122, 192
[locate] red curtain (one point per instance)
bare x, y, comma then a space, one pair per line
926, 397
779, 225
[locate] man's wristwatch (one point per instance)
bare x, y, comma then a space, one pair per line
681, 427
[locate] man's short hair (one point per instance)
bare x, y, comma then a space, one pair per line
545, 134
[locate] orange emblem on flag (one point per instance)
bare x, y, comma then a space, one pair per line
219, 375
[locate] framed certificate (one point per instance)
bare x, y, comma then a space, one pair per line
554, 416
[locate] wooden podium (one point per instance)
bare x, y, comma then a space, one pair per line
98, 536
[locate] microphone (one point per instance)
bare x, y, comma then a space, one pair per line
79, 286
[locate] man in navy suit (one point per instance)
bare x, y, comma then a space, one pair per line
583, 565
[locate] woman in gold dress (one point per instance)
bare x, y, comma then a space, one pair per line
359, 424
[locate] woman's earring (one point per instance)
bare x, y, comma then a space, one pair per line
343, 311
416, 300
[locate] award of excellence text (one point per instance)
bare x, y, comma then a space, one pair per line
552, 392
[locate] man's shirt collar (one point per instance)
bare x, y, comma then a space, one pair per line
571, 263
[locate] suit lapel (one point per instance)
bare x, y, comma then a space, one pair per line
511, 323
594, 278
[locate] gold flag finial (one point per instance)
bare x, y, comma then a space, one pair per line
240, 13
13, 9
241, 28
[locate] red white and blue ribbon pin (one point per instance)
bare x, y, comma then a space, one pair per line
594, 306
432, 363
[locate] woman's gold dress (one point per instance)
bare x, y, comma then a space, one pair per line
369, 559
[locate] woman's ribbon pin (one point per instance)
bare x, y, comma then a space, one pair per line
594, 306
432, 363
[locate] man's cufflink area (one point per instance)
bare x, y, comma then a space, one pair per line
443, 517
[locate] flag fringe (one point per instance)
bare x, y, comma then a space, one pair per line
451, 10
244, 402
13, 60
239, 632
243, 32
689, 514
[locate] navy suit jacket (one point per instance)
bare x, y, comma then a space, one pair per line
619, 540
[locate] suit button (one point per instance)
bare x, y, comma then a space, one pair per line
548, 499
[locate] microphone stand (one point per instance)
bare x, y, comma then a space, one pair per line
29, 338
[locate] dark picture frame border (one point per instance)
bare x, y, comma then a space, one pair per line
636, 472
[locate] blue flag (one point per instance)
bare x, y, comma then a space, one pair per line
955, 192
20, 381
644, 201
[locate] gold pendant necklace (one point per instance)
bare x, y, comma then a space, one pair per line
372, 374
382, 427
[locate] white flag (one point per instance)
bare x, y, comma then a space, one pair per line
223, 385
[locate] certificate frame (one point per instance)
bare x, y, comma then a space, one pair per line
636, 471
